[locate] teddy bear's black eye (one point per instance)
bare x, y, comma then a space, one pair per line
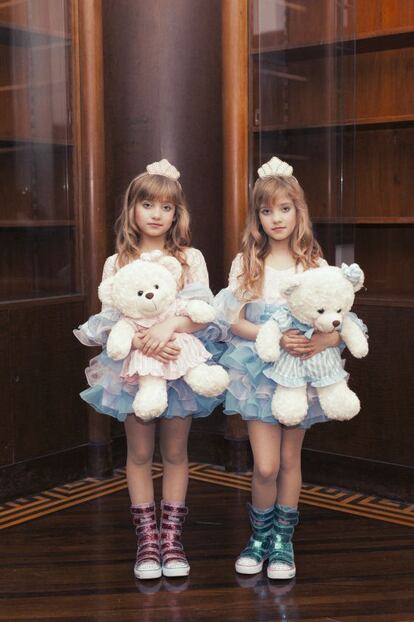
140, 292
339, 310
156, 286
321, 310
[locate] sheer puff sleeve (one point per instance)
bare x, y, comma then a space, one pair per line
236, 272
197, 269
109, 267
227, 304
109, 270
94, 332
197, 288
196, 283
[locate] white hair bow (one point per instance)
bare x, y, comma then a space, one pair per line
164, 168
275, 167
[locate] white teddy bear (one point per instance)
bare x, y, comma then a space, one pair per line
145, 292
318, 299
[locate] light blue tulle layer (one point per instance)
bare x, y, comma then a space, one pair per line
250, 392
110, 395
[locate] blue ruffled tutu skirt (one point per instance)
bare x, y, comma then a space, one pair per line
109, 394
250, 391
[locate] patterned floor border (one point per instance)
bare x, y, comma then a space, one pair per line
56, 499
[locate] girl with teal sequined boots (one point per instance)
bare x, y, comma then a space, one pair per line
278, 242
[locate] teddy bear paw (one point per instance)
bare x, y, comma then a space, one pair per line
117, 354
148, 405
360, 350
339, 402
268, 352
290, 405
200, 311
207, 380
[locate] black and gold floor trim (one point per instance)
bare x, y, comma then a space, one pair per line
29, 508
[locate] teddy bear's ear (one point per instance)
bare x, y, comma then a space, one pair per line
289, 285
354, 274
105, 291
172, 265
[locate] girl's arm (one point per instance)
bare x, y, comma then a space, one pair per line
292, 341
170, 352
245, 329
319, 342
157, 337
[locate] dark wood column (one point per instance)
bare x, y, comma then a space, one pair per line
92, 193
235, 178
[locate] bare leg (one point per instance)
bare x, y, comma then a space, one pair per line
140, 444
289, 481
173, 445
281, 558
265, 440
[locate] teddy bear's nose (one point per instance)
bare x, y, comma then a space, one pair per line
336, 323
151, 295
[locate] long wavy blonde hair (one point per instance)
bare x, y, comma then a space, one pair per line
255, 245
146, 187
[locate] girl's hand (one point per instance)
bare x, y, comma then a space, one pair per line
321, 341
170, 352
137, 340
296, 344
157, 337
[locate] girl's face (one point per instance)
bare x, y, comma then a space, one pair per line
154, 218
279, 219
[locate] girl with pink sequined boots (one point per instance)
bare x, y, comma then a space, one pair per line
154, 218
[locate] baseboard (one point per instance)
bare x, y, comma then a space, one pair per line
379, 478
30, 476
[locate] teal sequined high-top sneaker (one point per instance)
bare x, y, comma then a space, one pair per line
250, 560
281, 558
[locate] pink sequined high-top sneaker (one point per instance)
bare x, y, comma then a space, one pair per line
174, 561
148, 561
